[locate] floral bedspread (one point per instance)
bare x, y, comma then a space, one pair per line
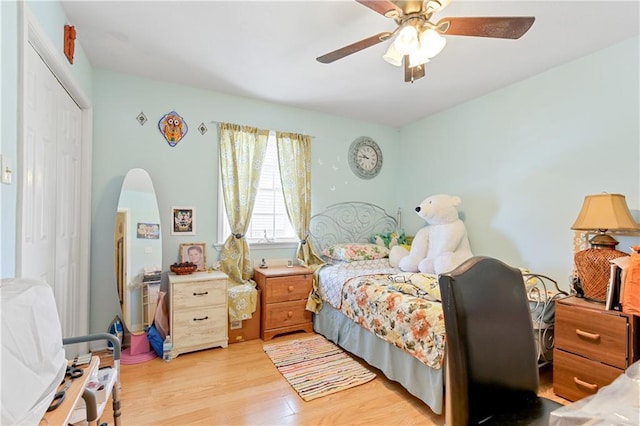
404, 309
333, 277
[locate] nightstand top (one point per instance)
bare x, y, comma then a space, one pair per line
281, 271
583, 303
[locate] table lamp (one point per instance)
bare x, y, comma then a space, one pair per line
600, 213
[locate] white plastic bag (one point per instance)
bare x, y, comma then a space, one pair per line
615, 404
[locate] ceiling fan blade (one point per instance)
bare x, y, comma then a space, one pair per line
412, 74
380, 6
353, 48
496, 27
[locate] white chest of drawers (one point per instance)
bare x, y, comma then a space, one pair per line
198, 311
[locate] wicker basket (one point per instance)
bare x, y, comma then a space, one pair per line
183, 270
594, 271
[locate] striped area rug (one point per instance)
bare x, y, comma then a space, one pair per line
315, 367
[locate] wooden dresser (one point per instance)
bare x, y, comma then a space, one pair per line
198, 311
593, 346
284, 298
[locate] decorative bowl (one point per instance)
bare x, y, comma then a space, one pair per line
184, 269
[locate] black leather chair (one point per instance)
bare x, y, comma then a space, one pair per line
491, 353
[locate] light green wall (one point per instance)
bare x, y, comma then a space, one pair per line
523, 158
186, 175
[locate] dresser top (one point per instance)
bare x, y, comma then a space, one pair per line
281, 271
197, 276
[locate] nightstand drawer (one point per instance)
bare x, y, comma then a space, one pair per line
575, 377
604, 340
284, 314
199, 293
283, 289
196, 326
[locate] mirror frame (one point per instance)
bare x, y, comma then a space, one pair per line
137, 251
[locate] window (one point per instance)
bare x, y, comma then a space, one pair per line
269, 222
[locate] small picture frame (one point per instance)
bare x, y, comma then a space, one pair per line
148, 231
194, 253
183, 221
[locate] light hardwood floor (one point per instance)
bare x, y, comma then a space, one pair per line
240, 386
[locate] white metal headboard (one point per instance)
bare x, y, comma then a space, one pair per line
350, 222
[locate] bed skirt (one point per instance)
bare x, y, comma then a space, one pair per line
418, 379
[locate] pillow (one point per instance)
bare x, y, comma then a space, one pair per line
350, 252
389, 239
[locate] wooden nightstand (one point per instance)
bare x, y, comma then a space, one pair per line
593, 346
199, 312
284, 298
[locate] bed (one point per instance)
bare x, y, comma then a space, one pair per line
391, 319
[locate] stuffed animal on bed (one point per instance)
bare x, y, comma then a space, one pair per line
440, 246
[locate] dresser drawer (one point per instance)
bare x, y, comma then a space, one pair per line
286, 313
198, 293
575, 377
283, 289
197, 326
604, 340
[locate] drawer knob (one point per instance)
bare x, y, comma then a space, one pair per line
289, 314
590, 386
587, 335
290, 288
201, 294
201, 319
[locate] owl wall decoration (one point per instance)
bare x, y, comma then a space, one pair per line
173, 127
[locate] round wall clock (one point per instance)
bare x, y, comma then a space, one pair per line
365, 158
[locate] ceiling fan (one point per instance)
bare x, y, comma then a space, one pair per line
417, 39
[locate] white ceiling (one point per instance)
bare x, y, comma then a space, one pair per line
267, 49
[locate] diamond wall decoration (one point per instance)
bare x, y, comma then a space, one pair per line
141, 118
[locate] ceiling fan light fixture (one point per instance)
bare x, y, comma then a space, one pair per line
392, 56
431, 43
407, 40
417, 58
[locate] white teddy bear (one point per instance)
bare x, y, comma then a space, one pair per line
440, 246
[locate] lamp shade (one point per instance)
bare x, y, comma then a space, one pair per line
392, 56
606, 212
407, 40
431, 42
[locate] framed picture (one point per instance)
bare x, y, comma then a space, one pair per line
194, 253
183, 221
148, 231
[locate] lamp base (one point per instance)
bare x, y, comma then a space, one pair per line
603, 240
594, 270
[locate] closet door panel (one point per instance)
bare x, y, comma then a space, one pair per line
68, 215
51, 216
39, 174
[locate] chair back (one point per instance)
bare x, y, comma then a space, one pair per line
491, 353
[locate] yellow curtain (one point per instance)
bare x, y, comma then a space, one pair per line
242, 150
294, 159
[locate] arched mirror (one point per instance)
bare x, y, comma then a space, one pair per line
138, 252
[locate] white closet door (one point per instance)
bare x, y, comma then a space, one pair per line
68, 204
37, 258
51, 188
